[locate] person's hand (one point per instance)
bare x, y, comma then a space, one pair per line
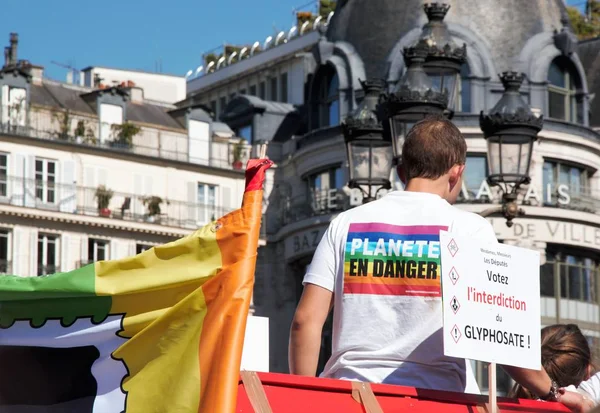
574, 401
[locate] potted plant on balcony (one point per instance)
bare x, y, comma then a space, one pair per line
123, 134
153, 203
238, 152
103, 196
63, 118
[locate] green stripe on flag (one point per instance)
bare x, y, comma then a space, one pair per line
65, 296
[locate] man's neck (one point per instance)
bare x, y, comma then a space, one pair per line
436, 187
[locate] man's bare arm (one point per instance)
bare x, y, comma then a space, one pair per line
305, 335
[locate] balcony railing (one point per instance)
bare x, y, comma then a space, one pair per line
5, 267
316, 202
43, 124
47, 269
74, 199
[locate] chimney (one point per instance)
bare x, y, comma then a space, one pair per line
14, 41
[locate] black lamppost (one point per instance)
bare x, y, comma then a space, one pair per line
369, 153
444, 57
412, 100
510, 129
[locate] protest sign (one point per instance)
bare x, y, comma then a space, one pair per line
491, 302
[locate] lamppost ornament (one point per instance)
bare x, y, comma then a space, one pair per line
369, 152
444, 57
412, 100
510, 129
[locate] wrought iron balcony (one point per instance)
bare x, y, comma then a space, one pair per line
316, 202
80, 200
5, 267
160, 143
47, 269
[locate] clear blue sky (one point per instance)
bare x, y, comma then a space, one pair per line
134, 34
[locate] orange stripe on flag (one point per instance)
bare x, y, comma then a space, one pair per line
228, 297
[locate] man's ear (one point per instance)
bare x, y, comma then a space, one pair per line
401, 174
455, 174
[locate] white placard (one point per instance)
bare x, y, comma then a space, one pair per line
491, 302
255, 355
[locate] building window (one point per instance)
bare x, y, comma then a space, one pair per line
503, 380
242, 91
326, 104
560, 178
207, 202
47, 254
97, 250
475, 174
273, 85
284, 87
324, 188
45, 180
578, 274
4, 261
213, 107
14, 106
245, 132
563, 100
253, 90
222, 104
263, 90
3, 174
464, 89
139, 248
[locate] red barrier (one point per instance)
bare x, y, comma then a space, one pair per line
295, 394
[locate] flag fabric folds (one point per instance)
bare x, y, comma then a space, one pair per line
158, 332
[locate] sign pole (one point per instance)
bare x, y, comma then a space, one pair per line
493, 407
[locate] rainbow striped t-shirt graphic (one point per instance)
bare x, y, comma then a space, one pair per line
388, 259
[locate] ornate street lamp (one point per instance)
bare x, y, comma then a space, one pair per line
413, 99
510, 129
369, 153
444, 57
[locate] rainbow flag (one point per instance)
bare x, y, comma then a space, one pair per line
159, 332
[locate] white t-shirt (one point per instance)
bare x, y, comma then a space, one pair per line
382, 261
589, 388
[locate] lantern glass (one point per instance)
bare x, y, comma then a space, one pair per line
399, 126
444, 80
369, 161
509, 157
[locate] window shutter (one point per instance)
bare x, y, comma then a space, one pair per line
84, 249
89, 181
102, 176
226, 205
33, 256
66, 263
30, 181
4, 113
199, 142
68, 192
17, 184
118, 249
18, 252
192, 197
109, 115
18, 106
138, 207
